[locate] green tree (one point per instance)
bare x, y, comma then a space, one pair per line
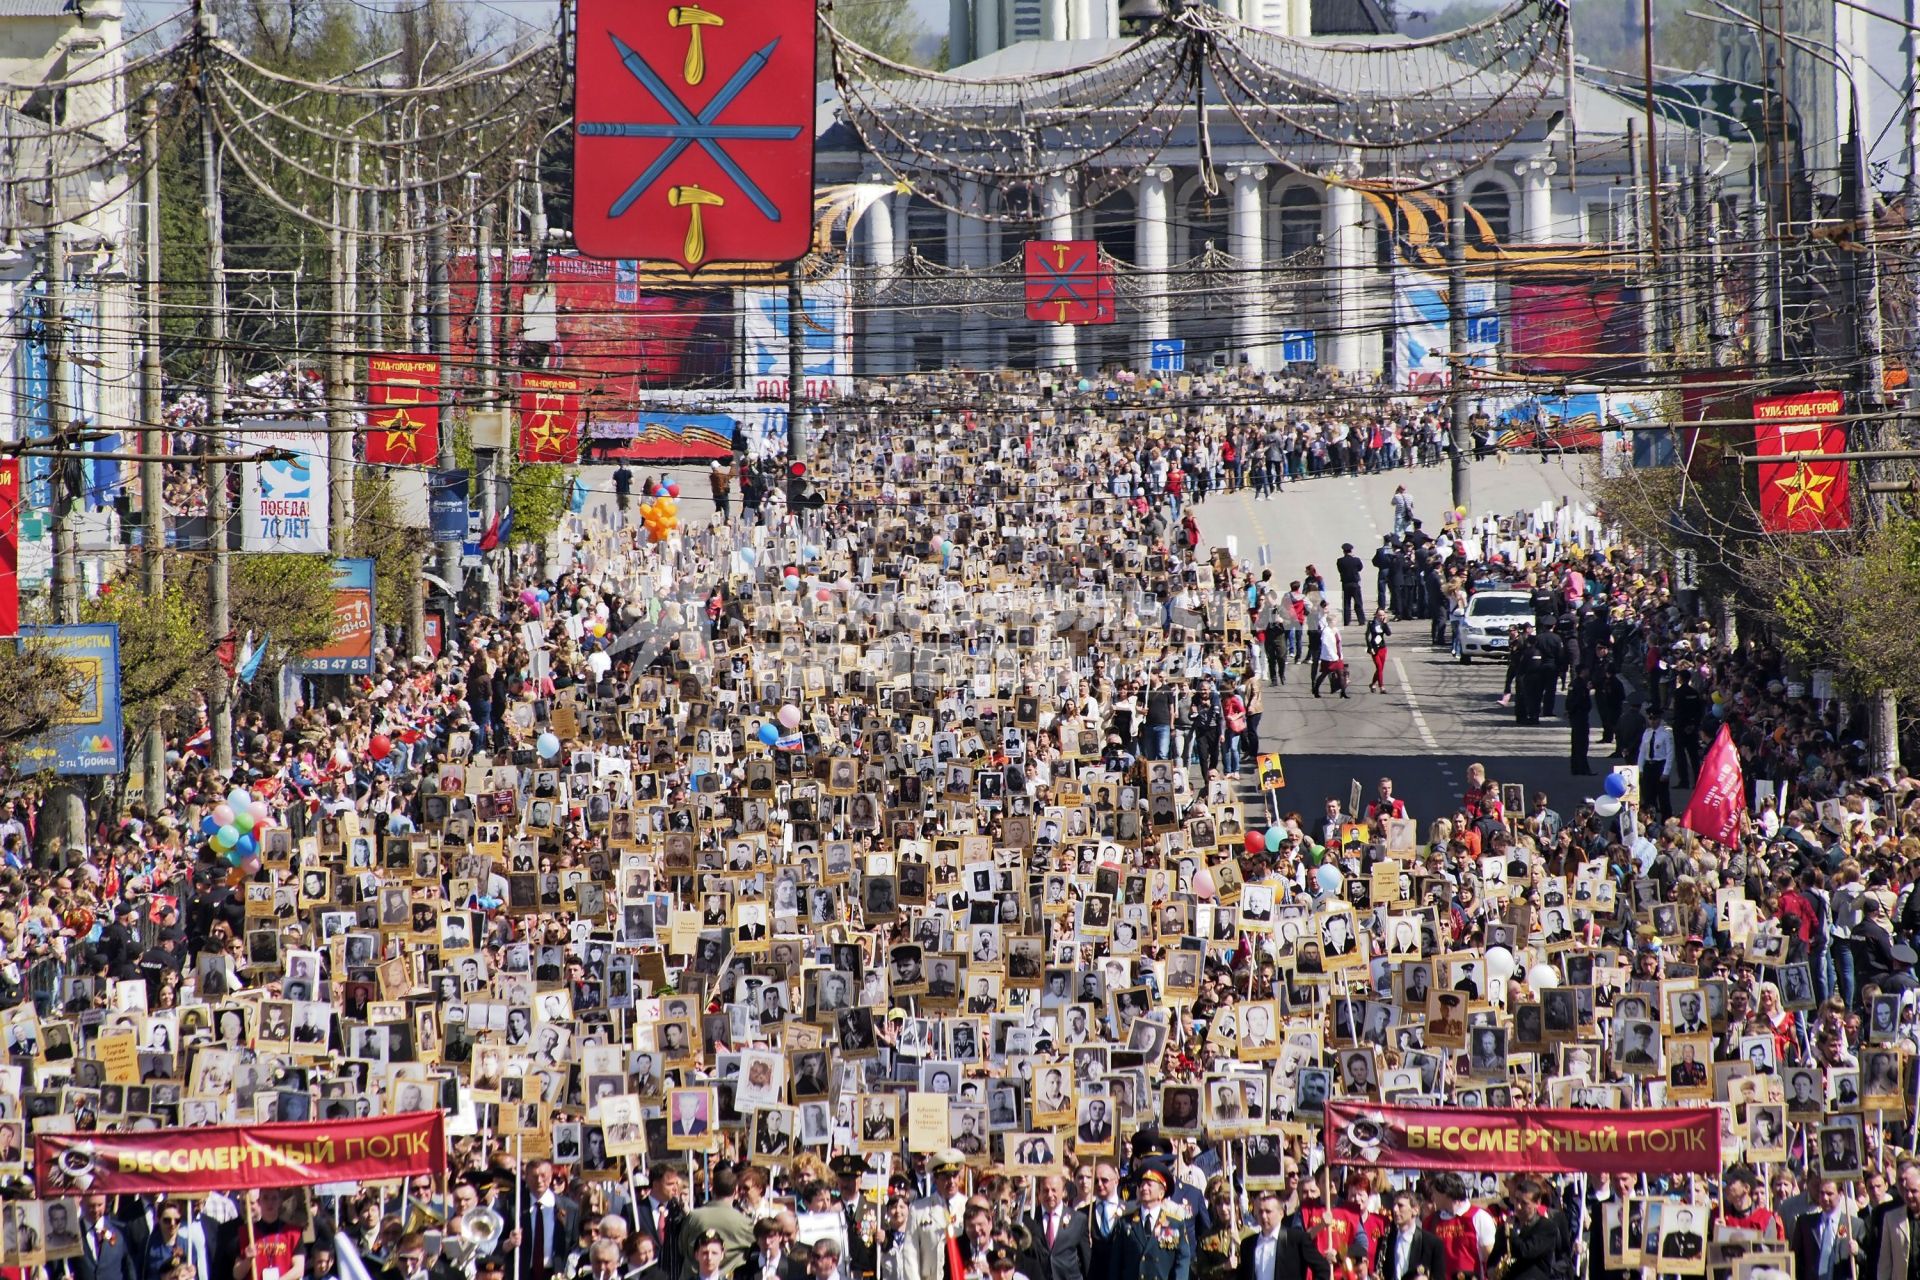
165, 656
886, 27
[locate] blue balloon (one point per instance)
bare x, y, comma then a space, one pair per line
548, 746
1328, 878
1616, 785
769, 734
793, 582
246, 846
227, 836
542, 595
208, 826
1276, 836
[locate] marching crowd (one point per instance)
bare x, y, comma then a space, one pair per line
686, 883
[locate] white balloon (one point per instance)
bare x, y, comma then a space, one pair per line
1542, 976
1500, 964
1606, 806
599, 663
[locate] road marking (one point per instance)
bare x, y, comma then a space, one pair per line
1413, 705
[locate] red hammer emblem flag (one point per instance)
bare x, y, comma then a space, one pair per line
1067, 283
693, 134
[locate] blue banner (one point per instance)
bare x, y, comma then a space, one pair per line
91, 739
447, 502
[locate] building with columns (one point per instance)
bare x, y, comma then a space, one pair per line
1296, 236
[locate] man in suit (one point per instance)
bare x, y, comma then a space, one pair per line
1409, 1248
1062, 1244
771, 1259
1152, 1240
661, 1213
549, 1226
1823, 1243
1278, 1251
719, 1218
1096, 1130
1103, 1212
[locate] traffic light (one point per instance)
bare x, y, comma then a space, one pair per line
796, 486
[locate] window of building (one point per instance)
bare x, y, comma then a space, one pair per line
929, 352
1299, 220
1493, 203
1113, 226
927, 230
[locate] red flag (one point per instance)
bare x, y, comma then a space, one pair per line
694, 140
491, 538
1719, 801
1067, 283
1801, 497
403, 426
10, 547
549, 417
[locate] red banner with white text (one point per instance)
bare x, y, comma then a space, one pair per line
1802, 496
1534, 1140
549, 417
241, 1157
403, 424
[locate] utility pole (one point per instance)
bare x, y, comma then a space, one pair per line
1760, 275
220, 624
485, 461
66, 557
438, 337
1457, 342
342, 506
339, 442
153, 509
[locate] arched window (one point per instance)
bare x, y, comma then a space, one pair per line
1491, 201
927, 230
1299, 220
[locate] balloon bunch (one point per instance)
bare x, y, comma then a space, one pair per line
535, 598
235, 827
662, 515
1609, 803
789, 719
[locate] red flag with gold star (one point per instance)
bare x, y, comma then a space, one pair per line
549, 417
403, 418
1802, 495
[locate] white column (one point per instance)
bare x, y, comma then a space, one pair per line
1536, 177
1151, 252
1344, 264
970, 236
1053, 20
883, 251
959, 32
1253, 335
986, 27
1080, 20
1056, 223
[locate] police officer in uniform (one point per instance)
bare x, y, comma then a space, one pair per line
1152, 1240
862, 1225
934, 1219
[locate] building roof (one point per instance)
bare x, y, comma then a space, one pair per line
37, 8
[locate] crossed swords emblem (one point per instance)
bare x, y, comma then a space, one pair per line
1064, 280
689, 129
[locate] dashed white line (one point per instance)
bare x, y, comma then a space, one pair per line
1413, 706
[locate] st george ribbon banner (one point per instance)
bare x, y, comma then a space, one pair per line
1534, 1140
241, 1157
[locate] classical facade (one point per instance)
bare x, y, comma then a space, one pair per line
1241, 269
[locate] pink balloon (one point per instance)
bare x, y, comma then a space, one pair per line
1203, 883
223, 814
261, 810
790, 716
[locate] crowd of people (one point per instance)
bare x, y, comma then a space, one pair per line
879, 885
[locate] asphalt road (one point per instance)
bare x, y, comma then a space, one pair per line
1437, 716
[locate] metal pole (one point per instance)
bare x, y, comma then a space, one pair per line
153, 508
1873, 364
796, 367
339, 442
343, 504
1653, 158
66, 558
1760, 274
1913, 105
1457, 342
220, 623
485, 461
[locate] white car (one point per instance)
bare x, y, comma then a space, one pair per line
1490, 615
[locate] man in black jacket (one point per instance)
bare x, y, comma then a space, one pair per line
1409, 1248
1061, 1245
1534, 1233
1280, 1251
1353, 602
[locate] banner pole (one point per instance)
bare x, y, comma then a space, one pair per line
519, 1190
